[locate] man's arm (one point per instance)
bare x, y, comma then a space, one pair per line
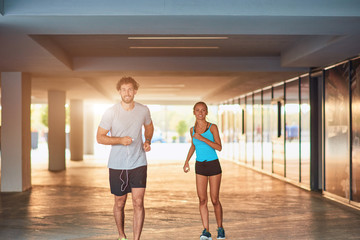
148, 133
103, 138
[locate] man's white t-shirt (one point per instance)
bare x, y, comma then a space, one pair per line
122, 123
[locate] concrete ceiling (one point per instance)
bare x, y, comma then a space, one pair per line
83, 47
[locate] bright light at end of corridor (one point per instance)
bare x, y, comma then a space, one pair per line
99, 109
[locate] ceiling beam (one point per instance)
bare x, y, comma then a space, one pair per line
305, 47
184, 7
319, 51
53, 48
183, 64
185, 25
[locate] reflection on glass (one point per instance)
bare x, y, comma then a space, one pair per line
249, 130
292, 130
267, 144
242, 142
231, 117
225, 133
277, 123
257, 131
337, 130
355, 85
221, 126
237, 131
305, 131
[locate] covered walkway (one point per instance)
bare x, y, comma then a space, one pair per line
76, 204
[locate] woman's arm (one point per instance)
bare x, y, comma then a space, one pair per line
190, 153
217, 142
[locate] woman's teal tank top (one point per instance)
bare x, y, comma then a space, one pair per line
203, 151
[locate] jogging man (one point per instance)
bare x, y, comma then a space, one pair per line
127, 161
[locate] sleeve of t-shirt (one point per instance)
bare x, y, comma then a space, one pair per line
147, 116
106, 120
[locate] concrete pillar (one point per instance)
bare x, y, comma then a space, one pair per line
56, 136
89, 131
76, 130
15, 132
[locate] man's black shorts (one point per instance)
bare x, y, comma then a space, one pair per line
208, 168
122, 181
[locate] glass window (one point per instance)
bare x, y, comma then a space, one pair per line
305, 130
237, 132
292, 130
355, 85
337, 130
227, 130
257, 130
267, 144
222, 129
243, 131
231, 127
249, 129
277, 130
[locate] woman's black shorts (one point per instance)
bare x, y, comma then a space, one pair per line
208, 168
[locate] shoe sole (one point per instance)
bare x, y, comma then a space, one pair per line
205, 238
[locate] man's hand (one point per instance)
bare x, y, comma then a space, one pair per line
147, 147
126, 140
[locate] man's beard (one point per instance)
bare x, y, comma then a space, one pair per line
129, 99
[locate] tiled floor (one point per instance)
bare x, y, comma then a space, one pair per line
76, 204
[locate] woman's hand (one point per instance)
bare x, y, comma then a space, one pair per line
186, 167
198, 136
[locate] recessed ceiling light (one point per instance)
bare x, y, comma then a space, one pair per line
162, 89
176, 38
173, 47
169, 85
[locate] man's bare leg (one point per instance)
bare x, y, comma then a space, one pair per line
139, 211
119, 214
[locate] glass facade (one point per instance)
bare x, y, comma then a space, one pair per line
223, 132
237, 132
242, 141
267, 130
355, 87
267, 144
336, 136
275, 126
292, 130
305, 130
249, 129
257, 130
230, 143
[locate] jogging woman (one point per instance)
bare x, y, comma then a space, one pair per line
205, 140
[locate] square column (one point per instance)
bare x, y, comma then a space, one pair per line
76, 130
15, 132
89, 129
56, 136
